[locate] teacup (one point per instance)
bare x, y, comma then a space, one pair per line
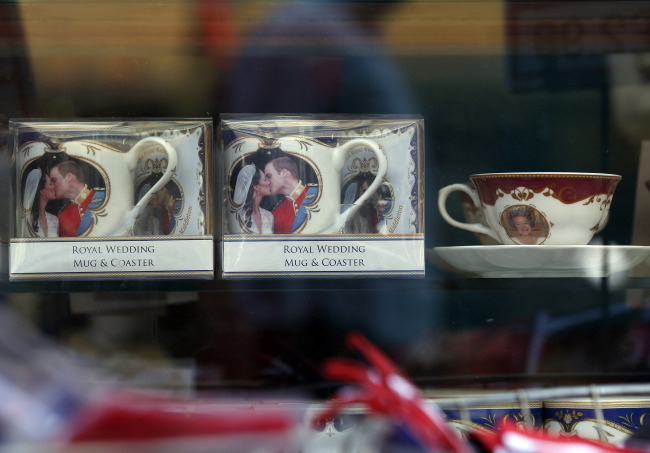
537, 208
609, 419
292, 185
84, 187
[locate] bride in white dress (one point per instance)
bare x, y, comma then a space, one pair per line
255, 218
39, 189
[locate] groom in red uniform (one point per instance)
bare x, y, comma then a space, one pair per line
282, 174
69, 183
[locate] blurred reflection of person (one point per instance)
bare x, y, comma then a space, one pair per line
319, 57
252, 215
521, 219
39, 190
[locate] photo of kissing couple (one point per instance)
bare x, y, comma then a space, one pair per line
273, 191
59, 196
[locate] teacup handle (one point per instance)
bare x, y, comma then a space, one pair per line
134, 153
444, 193
339, 158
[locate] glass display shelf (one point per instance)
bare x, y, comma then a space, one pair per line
329, 285
495, 381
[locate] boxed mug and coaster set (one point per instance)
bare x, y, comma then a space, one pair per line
315, 195
301, 195
536, 225
111, 199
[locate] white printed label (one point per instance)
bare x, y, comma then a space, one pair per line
182, 257
323, 255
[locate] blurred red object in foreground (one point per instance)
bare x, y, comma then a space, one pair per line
135, 417
384, 390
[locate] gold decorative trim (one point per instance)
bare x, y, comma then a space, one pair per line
602, 404
324, 273
134, 275
112, 239
345, 237
547, 175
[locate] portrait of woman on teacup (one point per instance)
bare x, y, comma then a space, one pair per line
39, 191
525, 226
252, 182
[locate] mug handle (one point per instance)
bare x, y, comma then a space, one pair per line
172, 161
134, 153
339, 157
473, 227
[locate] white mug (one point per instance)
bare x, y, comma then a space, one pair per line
83, 188
291, 185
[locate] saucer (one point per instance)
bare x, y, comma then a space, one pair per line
520, 261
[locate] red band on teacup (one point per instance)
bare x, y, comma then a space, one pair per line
567, 188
